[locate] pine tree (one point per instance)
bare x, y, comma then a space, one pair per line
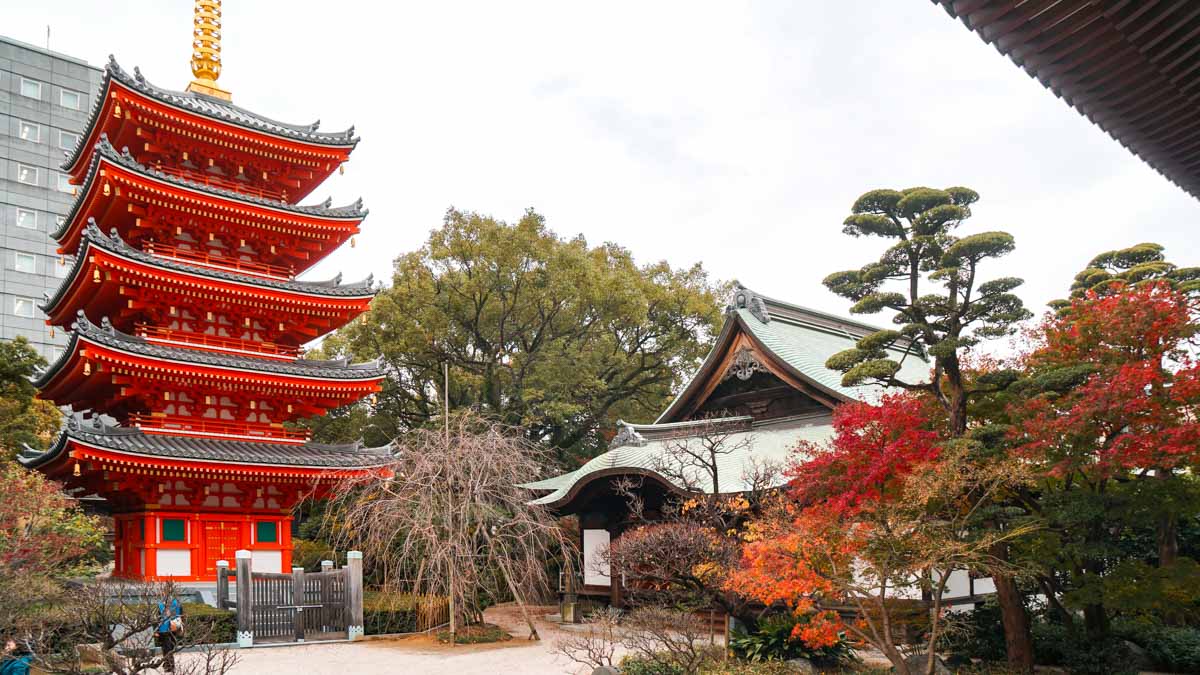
929, 277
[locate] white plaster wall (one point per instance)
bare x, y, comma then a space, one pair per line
174, 562
267, 561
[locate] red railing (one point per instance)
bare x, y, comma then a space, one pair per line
217, 343
206, 259
223, 183
159, 423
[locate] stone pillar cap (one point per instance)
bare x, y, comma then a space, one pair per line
242, 554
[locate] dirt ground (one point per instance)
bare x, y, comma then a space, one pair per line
422, 654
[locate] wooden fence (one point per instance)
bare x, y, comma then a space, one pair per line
274, 607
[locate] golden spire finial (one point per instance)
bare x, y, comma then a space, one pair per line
206, 50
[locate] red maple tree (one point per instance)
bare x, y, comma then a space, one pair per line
877, 517
1117, 391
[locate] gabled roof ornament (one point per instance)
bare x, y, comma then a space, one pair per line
744, 365
626, 436
744, 298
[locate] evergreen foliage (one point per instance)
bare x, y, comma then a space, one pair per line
25, 421
548, 334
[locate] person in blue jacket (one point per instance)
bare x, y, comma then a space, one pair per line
16, 660
170, 628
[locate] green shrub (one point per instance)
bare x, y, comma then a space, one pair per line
383, 614
1175, 649
209, 624
309, 554
1057, 645
771, 640
641, 665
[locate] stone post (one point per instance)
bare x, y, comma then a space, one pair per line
298, 601
245, 599
326, 565
223, 584
354, 595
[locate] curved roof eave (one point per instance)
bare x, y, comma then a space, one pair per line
218, 111
113, 244
105, 152
108, 337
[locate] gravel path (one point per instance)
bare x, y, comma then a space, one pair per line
422, 654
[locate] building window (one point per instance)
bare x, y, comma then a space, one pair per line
27, 219
67, 140
31, 88
64, 183
23, 307
70, 99
53, 354
27, 174
265, 533
28, 131
174, 529
26, 263
62, 268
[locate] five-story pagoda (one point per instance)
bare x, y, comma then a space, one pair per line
187, 321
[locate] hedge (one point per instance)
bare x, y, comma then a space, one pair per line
209, 624
388, 614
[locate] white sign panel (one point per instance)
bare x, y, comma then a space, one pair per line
595, 567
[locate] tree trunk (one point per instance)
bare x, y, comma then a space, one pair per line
1018, 640
1095, 622
1168, 530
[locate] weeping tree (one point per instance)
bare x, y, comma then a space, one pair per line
930, 278
446, 518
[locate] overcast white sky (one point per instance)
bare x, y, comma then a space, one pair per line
734, 134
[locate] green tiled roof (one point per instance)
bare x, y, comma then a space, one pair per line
768, 443
806, 347
800, 338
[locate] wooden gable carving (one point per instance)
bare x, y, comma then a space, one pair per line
749, 380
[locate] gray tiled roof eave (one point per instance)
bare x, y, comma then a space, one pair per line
92, 236
215, 109
106, 151
108, 336
178, 447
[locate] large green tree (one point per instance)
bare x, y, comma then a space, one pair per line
548, 334
930, 277
24, 420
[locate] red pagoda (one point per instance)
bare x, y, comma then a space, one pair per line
184, 364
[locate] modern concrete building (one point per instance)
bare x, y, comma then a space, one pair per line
45, 98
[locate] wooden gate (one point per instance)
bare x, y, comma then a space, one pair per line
272, 607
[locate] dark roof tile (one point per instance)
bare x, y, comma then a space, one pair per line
122, 439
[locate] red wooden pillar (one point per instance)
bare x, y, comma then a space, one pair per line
150, 543
196, 540
283, 529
